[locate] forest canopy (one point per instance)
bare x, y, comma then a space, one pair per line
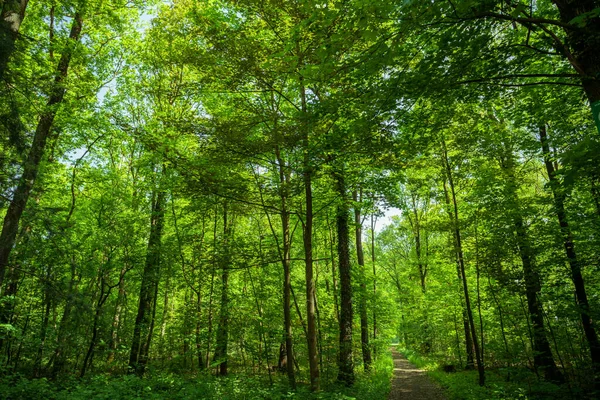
256, 199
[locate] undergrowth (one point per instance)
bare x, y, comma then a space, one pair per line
372, 385
522, 385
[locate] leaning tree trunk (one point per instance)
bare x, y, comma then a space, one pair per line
142, 331
31, 165
580, 292
364, 323
345, 361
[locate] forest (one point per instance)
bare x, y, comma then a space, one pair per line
257, 199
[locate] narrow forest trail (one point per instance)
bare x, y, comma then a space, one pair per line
412, 383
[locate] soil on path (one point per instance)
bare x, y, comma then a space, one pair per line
411, 383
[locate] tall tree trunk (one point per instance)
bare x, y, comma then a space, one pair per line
31, 165
364, 323
415, 222
284, 181
542, 354
345, 361
334, 283
373, 259
461, 263
211, 293
311, 338
470, 362
142, 331
220, 355
580, 292
13, 12
145, 346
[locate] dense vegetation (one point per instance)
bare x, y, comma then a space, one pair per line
253, 199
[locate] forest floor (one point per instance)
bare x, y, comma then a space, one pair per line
412, 383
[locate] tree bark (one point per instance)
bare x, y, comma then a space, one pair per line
580, 291
345, 361
222, 336
373, 259
334, 283
364, 322
311, 338
142, 332
13, 12
284, 181
584, 47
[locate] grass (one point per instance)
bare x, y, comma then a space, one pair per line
372, 385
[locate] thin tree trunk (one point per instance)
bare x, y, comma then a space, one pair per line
311, 338
415, 223
373, 259
220, 355
364, 323
336, 303
284, 181
501, 320
211, 293
461, 263
103, 296
198, 342
580, 291
345, 361
37, 368
470, 363
31, 165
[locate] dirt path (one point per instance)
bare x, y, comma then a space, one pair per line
411, 383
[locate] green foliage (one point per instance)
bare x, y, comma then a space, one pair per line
373, 385
430, 110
